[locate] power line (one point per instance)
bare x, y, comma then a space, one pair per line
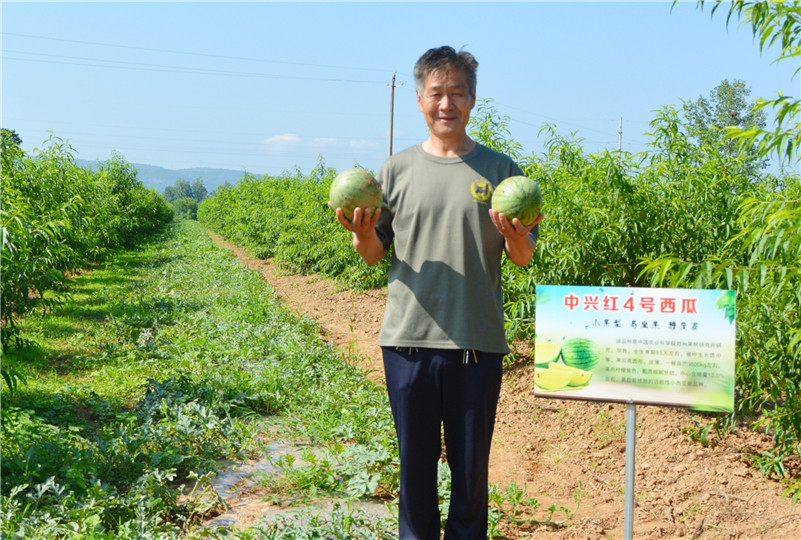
141, 66
117, 64
245, 139
25, 56
191, 53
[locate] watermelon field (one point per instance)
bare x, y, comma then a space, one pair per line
150, 362
144, 352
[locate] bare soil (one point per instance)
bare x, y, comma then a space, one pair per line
572, 453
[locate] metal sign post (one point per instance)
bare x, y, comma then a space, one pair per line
628, 515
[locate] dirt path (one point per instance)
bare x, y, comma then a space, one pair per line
560, 451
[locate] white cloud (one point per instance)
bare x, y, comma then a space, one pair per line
325, 141
280, 143
362, 144
286, 138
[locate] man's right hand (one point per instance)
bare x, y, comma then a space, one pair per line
365, 239
363, 220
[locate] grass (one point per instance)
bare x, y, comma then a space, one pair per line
155, 367
159, 364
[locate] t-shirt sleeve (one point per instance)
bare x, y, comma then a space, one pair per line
384, 226
534, 233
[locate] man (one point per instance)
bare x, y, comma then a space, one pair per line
442, 337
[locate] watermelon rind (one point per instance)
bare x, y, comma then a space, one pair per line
518, 197
354, 188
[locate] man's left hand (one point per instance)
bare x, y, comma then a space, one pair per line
519, 246
512, 229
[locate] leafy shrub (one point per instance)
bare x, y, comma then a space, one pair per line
288, 218
185, 208
57, 217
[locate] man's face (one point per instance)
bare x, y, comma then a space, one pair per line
446, 102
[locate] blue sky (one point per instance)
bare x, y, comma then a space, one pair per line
269, 86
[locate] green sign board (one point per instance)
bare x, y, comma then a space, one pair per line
636, 345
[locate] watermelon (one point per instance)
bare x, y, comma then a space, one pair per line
551, 379
518, 197
545, 352
581, 353
354, 188
580, 377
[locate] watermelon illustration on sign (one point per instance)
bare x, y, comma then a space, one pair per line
545, 353
581, 353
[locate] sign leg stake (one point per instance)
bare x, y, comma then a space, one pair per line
631, 422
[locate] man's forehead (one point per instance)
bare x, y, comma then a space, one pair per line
449, 77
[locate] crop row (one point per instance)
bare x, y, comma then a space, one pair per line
58, 217
170, 357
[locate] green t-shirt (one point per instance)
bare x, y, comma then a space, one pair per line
444, 287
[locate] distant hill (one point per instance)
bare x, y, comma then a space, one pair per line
153, 176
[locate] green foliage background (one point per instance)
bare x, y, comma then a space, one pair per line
287, 218
57, 217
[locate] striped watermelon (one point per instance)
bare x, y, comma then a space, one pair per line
354, 188
581, 353
518, 197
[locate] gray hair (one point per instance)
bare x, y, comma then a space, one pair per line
445, 58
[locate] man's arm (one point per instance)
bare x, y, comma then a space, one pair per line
519, 246
365, 239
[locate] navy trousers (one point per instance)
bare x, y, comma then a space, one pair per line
432, 391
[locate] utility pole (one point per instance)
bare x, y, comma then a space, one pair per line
391, 111
620, 135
